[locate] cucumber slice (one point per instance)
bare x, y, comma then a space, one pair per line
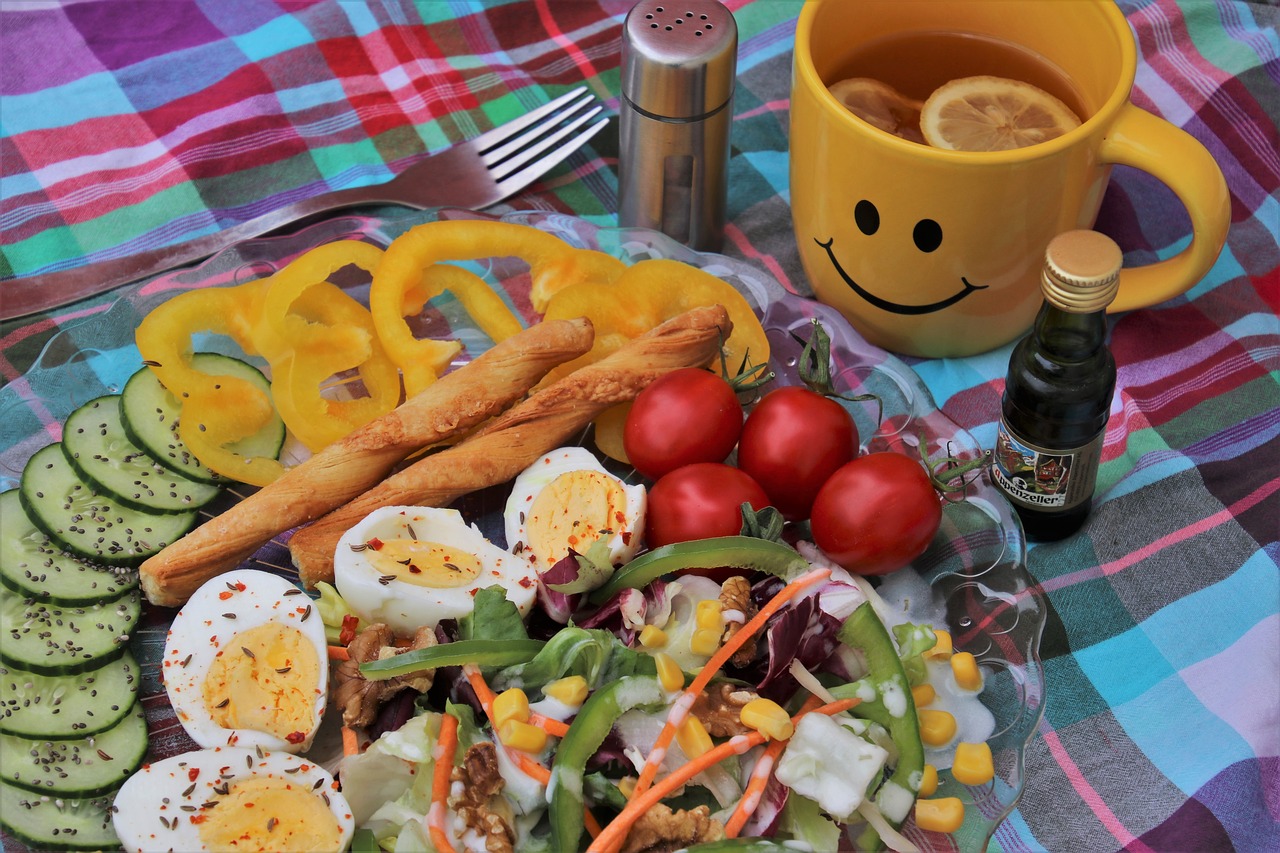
54, 640
51, 822
84, 767
62, 707
95, 444
150, 414
33, 566
89, 524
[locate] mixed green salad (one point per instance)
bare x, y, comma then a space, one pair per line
604, 721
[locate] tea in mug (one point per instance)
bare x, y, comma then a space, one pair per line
959, 91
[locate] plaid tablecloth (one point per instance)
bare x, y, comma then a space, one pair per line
127, 124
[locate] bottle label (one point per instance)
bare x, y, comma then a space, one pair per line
1041, 477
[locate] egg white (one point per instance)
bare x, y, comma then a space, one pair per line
364, 562
163, 805
205, 627
624, 530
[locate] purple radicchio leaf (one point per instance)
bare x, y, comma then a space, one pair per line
764, 820
557, 605
622, 615
394, 714
801, 633
627, 612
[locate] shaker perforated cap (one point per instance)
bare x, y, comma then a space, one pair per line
679, 59
1082, 271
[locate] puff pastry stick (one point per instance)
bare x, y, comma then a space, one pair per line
514, 440
445, 409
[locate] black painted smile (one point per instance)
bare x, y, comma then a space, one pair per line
894, 307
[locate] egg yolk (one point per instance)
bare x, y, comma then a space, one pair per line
266, 813
573, 511
265, 679
422, 563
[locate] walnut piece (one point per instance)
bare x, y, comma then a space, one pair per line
481, 782
358, 697
719, 708
735, 594
660, 830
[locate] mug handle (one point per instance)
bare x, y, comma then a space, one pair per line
1147, 142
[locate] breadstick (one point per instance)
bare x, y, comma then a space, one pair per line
444, 409
515, 439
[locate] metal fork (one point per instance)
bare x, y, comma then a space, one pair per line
473, 174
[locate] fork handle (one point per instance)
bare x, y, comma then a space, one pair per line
22, 296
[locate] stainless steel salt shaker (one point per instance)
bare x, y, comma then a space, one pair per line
679, 62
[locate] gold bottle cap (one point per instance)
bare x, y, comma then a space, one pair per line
1081, 271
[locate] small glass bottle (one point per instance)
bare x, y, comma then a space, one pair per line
1058, 391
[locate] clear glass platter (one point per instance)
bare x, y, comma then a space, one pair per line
975, 565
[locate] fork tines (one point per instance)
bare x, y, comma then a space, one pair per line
522, 150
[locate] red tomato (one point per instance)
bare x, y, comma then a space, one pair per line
876, 514
793, 440
688, 415
700, 501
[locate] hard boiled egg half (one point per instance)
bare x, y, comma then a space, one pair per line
230, 798
246, 663
412, 566
567, 499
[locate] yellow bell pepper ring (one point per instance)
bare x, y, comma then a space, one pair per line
217, 411
341, 339
399, 282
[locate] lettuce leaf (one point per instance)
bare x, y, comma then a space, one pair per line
492, 618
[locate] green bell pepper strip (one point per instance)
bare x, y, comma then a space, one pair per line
457, 653
589, 729
864, 631
745, 552
364, 841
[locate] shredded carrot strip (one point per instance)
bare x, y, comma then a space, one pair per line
760, 775
350, 742
555, 728
339, 653
446, 748
481, 687
531, 767
613, 835
486, 696
681, 706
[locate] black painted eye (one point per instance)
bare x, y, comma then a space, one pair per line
927, 234
867, 217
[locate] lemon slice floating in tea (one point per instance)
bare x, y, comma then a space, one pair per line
993, 114
880, 105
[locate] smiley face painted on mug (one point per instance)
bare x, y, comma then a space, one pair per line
926, 236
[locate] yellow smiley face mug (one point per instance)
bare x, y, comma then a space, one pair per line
938, 146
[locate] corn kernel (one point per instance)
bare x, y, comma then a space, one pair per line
653, 637
928, 781
670, 675
972, 764
693, 738
510, 704
710, 614
571, 690
923, 694
522, 736
942, 648
937, 728
966, 671
945, 814
705, 641
768, 718
627, 786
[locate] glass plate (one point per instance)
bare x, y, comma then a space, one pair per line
975, 565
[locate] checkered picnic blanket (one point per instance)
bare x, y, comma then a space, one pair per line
129, 124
